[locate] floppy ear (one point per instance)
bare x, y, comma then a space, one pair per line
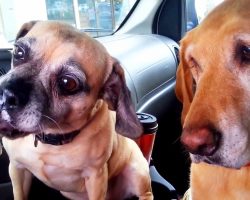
117, 95
25, 28
184, 84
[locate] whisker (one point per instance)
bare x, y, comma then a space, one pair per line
12, 125
41, 129
54, 121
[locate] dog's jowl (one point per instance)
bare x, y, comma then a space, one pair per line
66, 117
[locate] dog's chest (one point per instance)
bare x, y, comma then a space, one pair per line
63, 178
63, 168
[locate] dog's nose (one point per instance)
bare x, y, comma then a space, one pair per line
15, 93
9, 100
202, 141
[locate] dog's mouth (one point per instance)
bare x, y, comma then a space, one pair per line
12, 133
211, 160
207, 159
218, 161
7, 130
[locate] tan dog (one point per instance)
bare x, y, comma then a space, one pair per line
57, 118
213, 82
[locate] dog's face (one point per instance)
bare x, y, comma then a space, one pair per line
213, 82
58, 76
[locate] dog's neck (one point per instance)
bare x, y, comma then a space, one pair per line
55, 139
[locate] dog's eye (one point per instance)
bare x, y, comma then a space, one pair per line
245, 54
68, 84
19, 53
195, 69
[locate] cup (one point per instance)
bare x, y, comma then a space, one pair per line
146, 141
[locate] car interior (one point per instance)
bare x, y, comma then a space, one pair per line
147, 45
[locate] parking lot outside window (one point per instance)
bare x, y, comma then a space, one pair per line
96, 17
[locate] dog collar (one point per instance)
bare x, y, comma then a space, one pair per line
55, 139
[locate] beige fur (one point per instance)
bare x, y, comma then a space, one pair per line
100, 163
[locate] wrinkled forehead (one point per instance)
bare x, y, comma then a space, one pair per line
58, 30
58, 36
50, 37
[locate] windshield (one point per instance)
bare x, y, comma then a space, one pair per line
97, 17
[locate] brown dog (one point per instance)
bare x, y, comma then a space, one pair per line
213, 82
57, 118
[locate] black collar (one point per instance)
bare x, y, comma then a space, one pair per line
55, 139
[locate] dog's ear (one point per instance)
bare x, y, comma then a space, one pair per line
117, 95
184, 84
25, 28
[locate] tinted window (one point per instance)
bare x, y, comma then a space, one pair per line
97, 17
197, 10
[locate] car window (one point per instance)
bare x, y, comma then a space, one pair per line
97, 17
197, 10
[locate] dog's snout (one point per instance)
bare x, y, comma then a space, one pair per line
202, 141
9, 99
15, 94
